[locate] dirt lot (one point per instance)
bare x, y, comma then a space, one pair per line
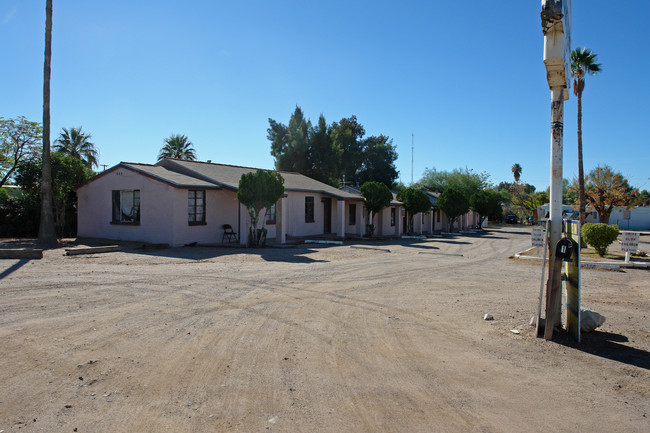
366, 337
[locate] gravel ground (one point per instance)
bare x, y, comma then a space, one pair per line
364, 337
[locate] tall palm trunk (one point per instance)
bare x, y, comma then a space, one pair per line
46, 231
581, 173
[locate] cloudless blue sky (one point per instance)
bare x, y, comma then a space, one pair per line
466, 78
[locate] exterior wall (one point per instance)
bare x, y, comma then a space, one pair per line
639, 218
164, 218
295, 215
95, 208
163, 211
221, 208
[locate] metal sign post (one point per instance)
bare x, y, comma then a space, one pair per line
556, 26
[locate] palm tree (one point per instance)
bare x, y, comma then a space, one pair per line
46, 230
177, 146
516, 172
76, 143
583, 63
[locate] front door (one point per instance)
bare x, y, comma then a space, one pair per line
327, 215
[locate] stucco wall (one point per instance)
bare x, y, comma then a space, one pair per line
163, 211
295, 213
95, 208
639, 218
382, 221
221, 208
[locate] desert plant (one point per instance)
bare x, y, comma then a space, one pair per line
600, 236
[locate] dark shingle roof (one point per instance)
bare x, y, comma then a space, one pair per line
228, 177
166, 175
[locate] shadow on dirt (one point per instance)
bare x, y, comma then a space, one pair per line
420, 246
497, 230
13, 268
608, 345
294, 254
451, 241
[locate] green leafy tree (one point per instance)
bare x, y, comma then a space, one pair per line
77, 143
516, 172
378, 162
290, 144
67, 173
453, 203
47, 229
259, 190
348, 134
487, 203
414, 201
377, 196
20, 139
177, 146
606, 189
600, 236
324, 155
465, 180
332, 153
583, 63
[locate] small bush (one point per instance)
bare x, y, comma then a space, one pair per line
600, 236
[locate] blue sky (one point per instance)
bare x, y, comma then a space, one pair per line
466, 78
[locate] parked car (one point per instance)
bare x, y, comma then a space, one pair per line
511, 219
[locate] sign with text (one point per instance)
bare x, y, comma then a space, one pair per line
537, 237
629, 242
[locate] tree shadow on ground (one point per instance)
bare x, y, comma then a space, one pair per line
293, 254
510, 232
287, 255
451, 241
420, 246
13, 268
607, 345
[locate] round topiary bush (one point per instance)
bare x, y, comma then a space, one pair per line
600, 236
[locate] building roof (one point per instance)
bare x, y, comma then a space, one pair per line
162, 174
228, 176
433, 197
207, 175
357, 190
175, 178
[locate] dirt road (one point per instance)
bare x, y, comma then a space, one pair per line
367, 337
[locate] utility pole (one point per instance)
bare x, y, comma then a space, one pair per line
412, 137
556, 26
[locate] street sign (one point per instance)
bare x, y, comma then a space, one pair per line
629, 242
537, 237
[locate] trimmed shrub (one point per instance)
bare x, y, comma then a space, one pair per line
600, 236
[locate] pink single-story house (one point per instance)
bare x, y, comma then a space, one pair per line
179, 202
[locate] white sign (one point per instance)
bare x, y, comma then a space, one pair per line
537, 237
629, 242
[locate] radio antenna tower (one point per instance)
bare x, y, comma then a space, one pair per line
412, 136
